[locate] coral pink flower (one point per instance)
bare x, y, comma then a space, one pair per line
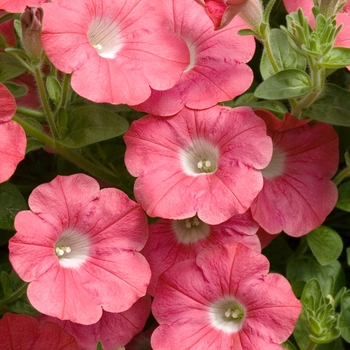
174, 241
205, 163
112, 330
13, 139
217, 60
19, 5
78, 246
225, 299
298, 193
116, 50
23, 332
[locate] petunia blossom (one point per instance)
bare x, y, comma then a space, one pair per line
221, 12
23, 332
79, 247
298, 192
172, 241
225, 299
19, 5
217, 70
116, 49
342, 18
113, 330
205, 163
12, 137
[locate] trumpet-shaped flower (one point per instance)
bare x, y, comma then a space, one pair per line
12, 137
113, 330
298, 192
24, 332
217, 70
78, 247
172, 241
205, 163
116, 49
225, 299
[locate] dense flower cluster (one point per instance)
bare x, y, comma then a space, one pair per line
218, 183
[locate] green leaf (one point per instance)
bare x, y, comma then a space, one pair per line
246, 32
331, 107
11, 202
344, 318
305, 268
6, 284
325, 244
16, 90
10, 67
283, 53
54, 89
288, 345
347, 158
343, 202
348, 255
32, 142
87, 125
284, 84
338, 57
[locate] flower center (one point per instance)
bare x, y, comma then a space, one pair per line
190, 230
72, 248
200, 158
227, 315
276, 165
105, 38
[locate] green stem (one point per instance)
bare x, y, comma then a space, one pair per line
29, 112
342, 175
270, 55
311, 345
45, 102
65, 90
16, 295
69, 154
318, 78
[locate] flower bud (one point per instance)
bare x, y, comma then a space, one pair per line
221, 12
31, 22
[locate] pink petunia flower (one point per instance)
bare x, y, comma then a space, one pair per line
205, 163
23, 332
221, 12
19, 5
217, 71
342, 18
174, 241
225, 299
12, 137
298, 193
116, 50
113, 330
78, 246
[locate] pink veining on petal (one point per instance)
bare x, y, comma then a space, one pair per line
108, 46
217, 70
298, 192
204, 163
78, 247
